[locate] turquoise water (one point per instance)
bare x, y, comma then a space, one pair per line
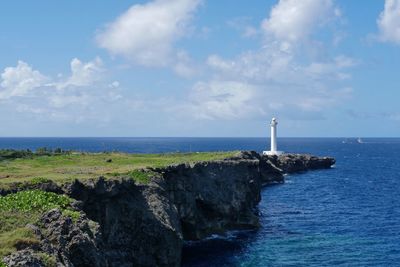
345, 216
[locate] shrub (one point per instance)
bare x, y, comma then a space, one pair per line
74, 215
39, 180
14, 154
141, 176
48, 260
22, 208
34, 200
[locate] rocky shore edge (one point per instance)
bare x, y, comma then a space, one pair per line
123, 223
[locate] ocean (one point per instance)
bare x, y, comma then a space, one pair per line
345, 216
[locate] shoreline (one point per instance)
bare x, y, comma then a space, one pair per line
185, 202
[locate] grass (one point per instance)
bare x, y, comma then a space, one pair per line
74, 215
141, 176
25, 207
67, 167
22, 208
18, 238
48, 261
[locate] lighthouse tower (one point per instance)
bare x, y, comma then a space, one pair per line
274, 150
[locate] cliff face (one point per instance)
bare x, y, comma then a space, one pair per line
213, 197
138, 223
126, 224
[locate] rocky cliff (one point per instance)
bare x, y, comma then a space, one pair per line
122, 223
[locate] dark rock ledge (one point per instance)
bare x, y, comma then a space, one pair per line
127, 224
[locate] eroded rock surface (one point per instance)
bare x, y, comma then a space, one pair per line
212, 197
24, 258
127, 224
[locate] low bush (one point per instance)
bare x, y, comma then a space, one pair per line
22, 208
35, 200
141, 176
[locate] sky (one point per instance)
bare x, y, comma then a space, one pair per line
199, 68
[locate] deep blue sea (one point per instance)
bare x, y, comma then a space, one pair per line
345, 216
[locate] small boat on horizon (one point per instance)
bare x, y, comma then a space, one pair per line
353, 140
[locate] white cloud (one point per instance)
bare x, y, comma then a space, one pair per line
389, 22
20, 80
146, 33
281, 77
63, 100
294, 20
220, 100
83, 95
281, 82
331, 70
23, 80
82, 74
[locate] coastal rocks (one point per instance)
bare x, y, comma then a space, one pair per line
64, 241
213, 197
138, 224
123, 223
290, 163
74, 242
24, 258
46, 185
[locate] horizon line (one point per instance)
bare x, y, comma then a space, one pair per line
230, 137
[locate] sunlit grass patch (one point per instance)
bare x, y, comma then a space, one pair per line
67, 167
22, 208
16, 239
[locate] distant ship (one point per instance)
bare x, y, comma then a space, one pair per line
352, 141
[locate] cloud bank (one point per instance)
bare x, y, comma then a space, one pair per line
80, 96
287, 72
20, 80
285, 76
389, 22
294, 20
146, 33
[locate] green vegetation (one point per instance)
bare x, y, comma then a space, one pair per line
69, 166
49, 261
35, 200
74, 215
22, 169
16, 239
39, 180
7, 154
141, 176
22, 208
2, 264
15, 154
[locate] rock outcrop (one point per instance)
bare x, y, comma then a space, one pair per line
23, 258
212, 197
138, 223
127, 224
291, 163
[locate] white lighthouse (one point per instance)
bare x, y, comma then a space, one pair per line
274, 146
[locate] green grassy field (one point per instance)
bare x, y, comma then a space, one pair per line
19, 209
62, 168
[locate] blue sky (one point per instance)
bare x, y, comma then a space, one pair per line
200, 68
